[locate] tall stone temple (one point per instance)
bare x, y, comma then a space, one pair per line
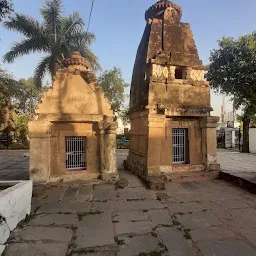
173, 135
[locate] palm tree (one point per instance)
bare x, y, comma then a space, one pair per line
57, 35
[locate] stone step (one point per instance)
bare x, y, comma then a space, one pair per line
193, 176
241, 180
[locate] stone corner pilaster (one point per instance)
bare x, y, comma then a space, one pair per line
209, 121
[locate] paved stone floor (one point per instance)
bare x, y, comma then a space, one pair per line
198, 219
14, 165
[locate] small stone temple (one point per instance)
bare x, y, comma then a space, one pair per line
73, 135
172, 133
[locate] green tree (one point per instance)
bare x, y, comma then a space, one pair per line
27, 96
58, 36
5, 8
7, 110
232, 71
113, 85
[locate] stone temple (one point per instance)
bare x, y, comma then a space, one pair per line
73, 136
173, 135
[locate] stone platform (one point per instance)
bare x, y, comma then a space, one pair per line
239, 168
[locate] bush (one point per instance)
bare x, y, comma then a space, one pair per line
2, 147
16, 146
121, 145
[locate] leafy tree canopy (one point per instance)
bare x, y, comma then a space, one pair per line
58, 36
232, 71
113, 85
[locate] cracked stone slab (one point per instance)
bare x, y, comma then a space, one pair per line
94, 230
140, 244
139, 227
65, 207
144, 205
175, 241
36, 249
54, 220
226, 247
159, 217
35, 233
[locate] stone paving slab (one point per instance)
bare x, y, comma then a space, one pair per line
211, 233
84, 194
129, 216
198, 220
140, 245
35, 233
94, 231
132, 228
36, 249
185, 207
232, 247
144, 205
109, 206
159, 217
54, 220
65, 207
175, 241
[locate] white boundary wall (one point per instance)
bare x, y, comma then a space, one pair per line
252, 140
15, 205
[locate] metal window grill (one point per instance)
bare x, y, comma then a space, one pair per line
179, 146
75, 153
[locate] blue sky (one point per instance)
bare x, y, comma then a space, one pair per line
119, 24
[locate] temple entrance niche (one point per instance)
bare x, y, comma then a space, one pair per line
173, 135
73, 135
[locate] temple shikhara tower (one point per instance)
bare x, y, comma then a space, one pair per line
173, 135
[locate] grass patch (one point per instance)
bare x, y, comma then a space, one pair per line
85, 251
81, 215
119, 241
187, 234
130, 200
154, 234
153, 253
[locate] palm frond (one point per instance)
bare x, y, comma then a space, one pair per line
25, 47
25, 25
41, 70
51, 13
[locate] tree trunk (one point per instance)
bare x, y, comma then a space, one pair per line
246, 126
